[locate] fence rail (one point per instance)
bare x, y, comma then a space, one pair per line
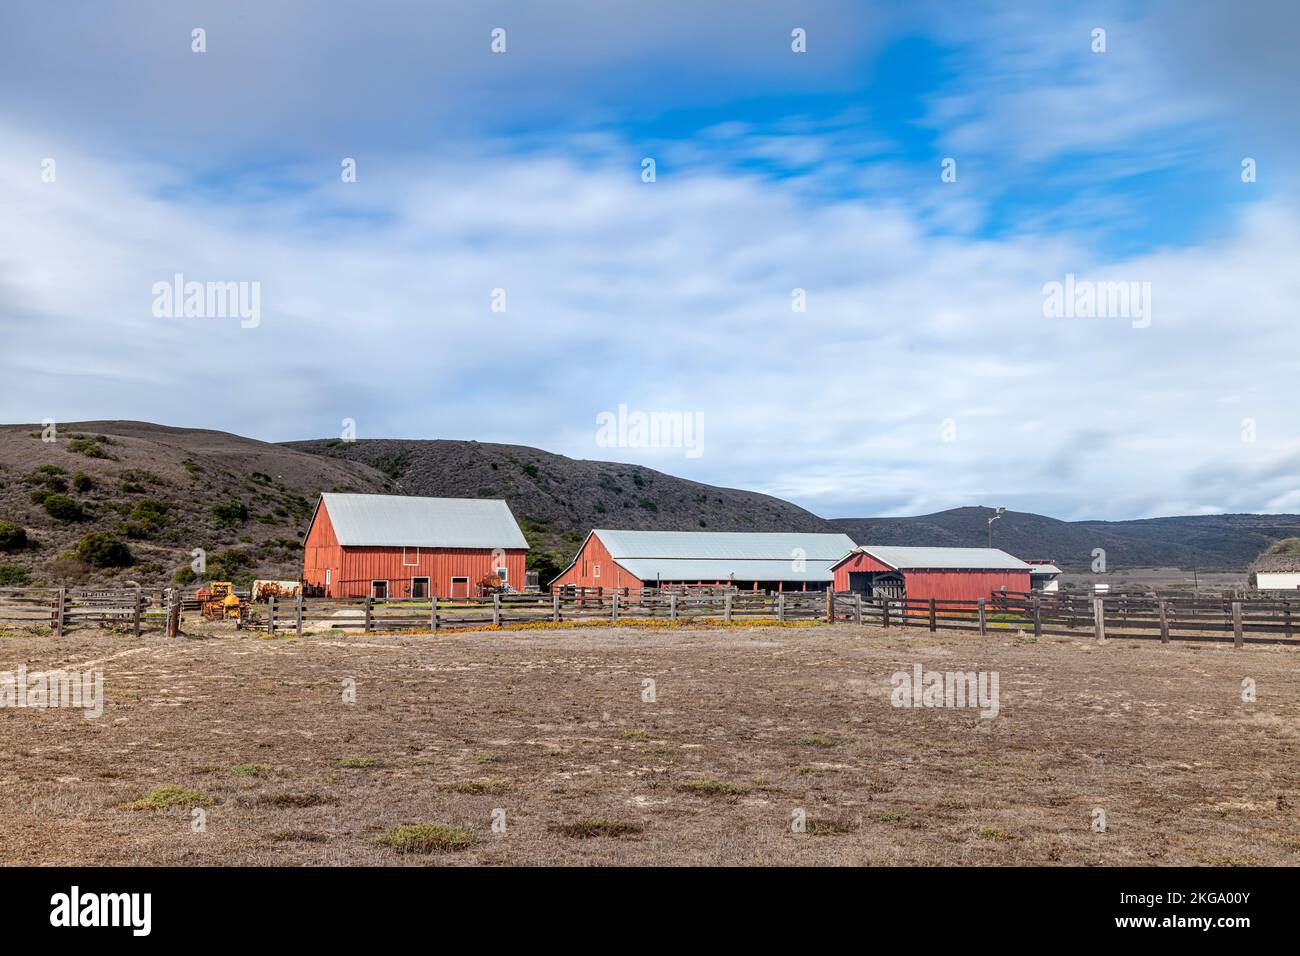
1242, 620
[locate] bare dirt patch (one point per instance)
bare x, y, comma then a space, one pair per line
551, 733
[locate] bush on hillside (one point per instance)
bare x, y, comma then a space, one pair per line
63, 508
12, 537
100, 549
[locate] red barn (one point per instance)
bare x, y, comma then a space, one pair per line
946, 574
394, 546
758, 560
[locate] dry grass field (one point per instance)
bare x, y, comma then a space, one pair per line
747, 726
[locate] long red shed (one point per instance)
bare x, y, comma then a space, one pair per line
947, 574
397, 546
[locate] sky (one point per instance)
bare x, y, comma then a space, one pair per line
841, 274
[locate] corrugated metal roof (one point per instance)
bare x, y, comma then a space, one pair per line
955, 559
650, 570
724, 545
1044, 569
408, 522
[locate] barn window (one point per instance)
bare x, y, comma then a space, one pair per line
379, 590
327, 577
596, 571
410, 557
503, 575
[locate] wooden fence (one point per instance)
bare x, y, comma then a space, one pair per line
1241, 620
65, 609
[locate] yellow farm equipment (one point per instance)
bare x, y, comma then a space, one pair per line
219, 601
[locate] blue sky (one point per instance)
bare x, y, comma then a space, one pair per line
923, 373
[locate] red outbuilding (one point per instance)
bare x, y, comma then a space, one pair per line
393, 546
946, 574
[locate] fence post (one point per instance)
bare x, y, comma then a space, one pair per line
857, 609
367, 630
726, 607
1237, 639
173, 612
297, 612
270, 615
1286, 613
1038, 617
613, 606
135, 613
496, 610
433, 610
830, 604
1099, 620
58, 612
1164, 622
934, 617
884, 612
780, 606
983, 618
555, 606
672, 607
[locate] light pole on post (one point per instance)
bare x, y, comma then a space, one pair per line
996, 515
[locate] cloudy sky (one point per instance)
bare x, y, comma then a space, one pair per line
923, 372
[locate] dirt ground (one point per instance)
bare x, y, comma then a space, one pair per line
747, 729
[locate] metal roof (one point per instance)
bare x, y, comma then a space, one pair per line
947, 559
650, 570
408, 522
1044, 569
724, 545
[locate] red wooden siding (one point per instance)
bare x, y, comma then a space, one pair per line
353, 569
941, 584
583, 573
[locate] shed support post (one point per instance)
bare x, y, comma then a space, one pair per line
1164, 622
1237, 639
1099, 619
983, 616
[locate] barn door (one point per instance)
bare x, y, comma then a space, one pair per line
460, 587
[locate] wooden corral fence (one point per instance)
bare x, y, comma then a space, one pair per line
1255, 620
66, 609
396, 614
1263, 619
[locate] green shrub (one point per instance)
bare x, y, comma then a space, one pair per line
12, 537
90, 447
82, 481
11, 575
63, 508
230, 513
184, 576
100, 549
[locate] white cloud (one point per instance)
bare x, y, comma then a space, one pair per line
665, 296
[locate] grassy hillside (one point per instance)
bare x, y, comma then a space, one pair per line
161, 492
1228, 542
68, 508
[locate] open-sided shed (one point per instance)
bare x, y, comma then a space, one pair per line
946, 574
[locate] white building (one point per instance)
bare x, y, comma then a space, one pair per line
1277, 572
